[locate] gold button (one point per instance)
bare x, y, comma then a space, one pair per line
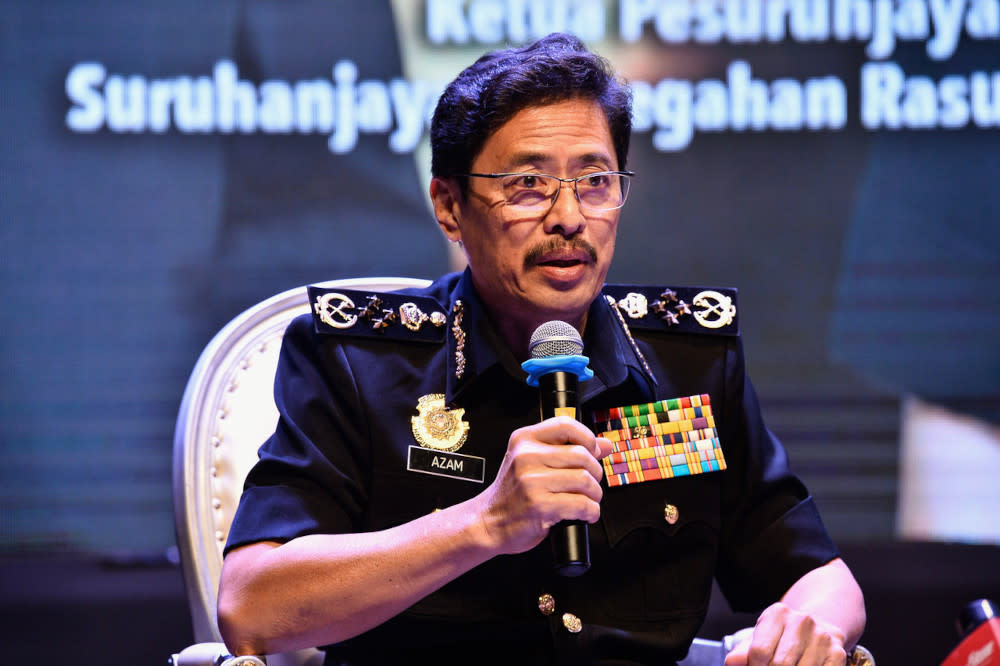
860, 656
671, 514
546, 604
572, 623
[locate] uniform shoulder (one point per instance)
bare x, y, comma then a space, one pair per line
676, 309
409, 315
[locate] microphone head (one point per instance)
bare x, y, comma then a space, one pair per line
555, 338
974, 614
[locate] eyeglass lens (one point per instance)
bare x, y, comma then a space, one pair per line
598, 191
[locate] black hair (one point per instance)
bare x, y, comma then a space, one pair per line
496, 87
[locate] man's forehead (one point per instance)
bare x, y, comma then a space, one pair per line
553, 134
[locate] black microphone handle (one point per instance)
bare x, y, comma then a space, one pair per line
569, 538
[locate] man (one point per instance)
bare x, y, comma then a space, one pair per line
399, 512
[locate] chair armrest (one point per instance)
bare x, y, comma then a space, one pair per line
705, 653
702, 653
859, 656
211, 654
244, 661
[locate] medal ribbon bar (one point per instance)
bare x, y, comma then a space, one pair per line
661, 440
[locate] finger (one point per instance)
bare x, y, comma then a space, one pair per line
576, 457
824, 650
605, 447
792, 646
562, 456
562, 495
526, 459
766, 636
559, 442
836, 658
565, 430
738, 655
760, 651
574, 506
564, 481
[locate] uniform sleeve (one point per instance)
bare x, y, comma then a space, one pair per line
772, 533
310, 474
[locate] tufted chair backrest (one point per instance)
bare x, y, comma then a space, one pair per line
226, 414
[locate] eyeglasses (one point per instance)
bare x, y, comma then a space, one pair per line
536, 193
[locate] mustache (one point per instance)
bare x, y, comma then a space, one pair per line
559, 245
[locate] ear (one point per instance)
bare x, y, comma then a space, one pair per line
446, 198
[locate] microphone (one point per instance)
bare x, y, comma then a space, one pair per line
979, 630
556, 367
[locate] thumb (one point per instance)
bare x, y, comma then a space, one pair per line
740, 654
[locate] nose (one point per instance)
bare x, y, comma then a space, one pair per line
565, 217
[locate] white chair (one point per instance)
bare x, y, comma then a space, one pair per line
226, 414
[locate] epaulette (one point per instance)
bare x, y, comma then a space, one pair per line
377, 315
675, 309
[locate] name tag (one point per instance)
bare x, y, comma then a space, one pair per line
444, 463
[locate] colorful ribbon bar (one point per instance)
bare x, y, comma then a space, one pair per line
661, 440
677, 431
652, 407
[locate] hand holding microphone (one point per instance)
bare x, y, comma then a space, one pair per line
549, 483
556, 367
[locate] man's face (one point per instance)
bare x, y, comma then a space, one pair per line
550, 265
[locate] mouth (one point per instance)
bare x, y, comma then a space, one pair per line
565, 268
562, 262
562, 255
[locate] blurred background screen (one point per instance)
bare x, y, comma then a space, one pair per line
167, 164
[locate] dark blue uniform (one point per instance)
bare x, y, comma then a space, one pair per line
341, 461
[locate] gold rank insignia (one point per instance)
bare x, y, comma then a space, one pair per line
437, 427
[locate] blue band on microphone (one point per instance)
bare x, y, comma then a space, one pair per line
536, 367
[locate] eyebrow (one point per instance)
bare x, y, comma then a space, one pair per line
526, 158
536, 159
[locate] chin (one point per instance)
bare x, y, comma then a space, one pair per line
568, 305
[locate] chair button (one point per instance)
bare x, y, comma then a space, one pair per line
671, 514
546, 604
572, 623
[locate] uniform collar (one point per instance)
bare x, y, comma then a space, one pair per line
613, 356
475, 346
